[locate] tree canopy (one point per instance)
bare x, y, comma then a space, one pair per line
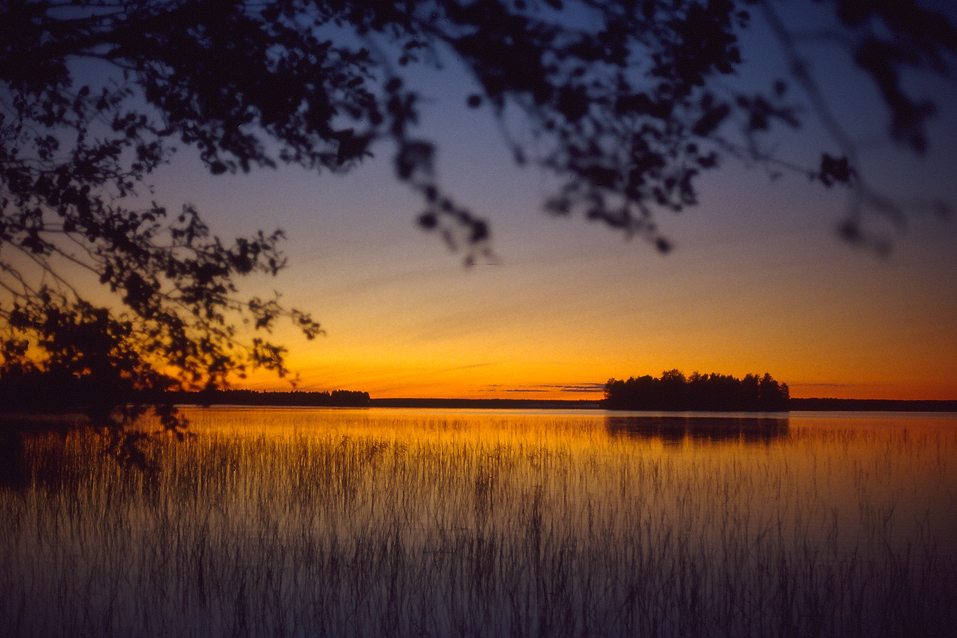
625, 101
699, 392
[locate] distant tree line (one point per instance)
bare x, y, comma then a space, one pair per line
336, 398
699, 392
873, 405
29, 389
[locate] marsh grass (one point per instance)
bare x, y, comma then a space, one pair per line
419, 523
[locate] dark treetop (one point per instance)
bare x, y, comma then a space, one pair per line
699, 392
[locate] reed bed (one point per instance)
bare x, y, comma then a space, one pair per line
419, 523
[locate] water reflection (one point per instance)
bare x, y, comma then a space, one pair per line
385, 522
674, 429
18, 467
13, 467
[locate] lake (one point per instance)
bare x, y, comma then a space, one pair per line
377, 522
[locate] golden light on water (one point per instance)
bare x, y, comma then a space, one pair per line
358, 522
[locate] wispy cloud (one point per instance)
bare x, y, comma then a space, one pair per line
825, 385
576, 388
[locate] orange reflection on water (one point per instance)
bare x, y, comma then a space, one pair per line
493, 521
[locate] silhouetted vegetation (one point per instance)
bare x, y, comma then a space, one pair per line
335, 398
34, 391
626, 104
699, 392
872, 405
437, 524
28, 389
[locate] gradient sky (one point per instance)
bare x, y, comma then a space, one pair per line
759, 281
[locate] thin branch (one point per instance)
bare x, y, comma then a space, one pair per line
800, 69
47, 269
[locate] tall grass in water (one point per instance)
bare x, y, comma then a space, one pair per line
352, 523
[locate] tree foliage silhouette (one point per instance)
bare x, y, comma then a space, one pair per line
624, 101
699, 392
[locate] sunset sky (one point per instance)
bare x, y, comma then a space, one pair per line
759, 281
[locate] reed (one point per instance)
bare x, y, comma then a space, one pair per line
418, 523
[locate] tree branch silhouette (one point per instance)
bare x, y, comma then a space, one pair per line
625, 102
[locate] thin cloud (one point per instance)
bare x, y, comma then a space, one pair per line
576, 388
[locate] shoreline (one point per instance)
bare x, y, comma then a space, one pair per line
43, 420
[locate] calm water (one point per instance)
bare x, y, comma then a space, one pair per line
301, 522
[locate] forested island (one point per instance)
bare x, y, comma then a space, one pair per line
674, 392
